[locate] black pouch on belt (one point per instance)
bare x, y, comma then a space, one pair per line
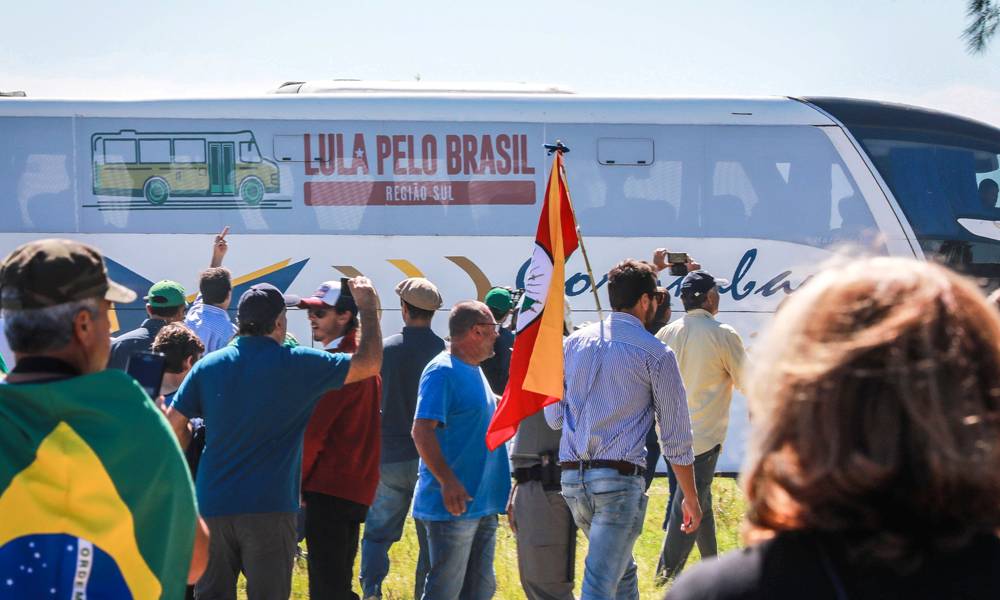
551, 472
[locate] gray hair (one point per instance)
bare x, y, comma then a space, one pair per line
464, 316
37, 330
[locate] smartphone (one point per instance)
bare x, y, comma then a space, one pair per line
678, 262
345, 289
147, 369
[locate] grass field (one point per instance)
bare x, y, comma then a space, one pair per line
729, 508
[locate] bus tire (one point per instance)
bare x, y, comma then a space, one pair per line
156, 190
252, 190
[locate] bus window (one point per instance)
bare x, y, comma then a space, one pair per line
946, 186
189, 151
249, 152
770, 182
119, 151
154, 151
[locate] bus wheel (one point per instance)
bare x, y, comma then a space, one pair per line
156, 190
252, 191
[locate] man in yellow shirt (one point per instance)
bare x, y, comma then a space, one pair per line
711, 359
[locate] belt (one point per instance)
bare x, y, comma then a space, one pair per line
526, 474
622, 466
537, 473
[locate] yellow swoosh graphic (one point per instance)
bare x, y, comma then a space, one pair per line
348, 270
254, 275
475, 274
408, 268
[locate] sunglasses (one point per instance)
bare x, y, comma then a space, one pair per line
318, 313
495, 326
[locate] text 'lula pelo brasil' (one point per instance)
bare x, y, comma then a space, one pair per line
502, 154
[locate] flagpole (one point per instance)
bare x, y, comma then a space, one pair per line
561, 149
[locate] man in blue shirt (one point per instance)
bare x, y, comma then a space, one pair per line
618, 377
256, 397
208, 316
462, 486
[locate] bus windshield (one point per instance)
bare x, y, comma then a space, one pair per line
947, 187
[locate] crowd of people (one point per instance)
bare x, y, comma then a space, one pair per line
873, 472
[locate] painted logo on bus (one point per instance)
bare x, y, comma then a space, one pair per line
395, 169
136, 170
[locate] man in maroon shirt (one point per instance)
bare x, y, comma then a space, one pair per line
340, 460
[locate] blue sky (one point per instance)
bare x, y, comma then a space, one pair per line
896, 50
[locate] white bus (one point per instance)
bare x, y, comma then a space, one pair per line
449, 186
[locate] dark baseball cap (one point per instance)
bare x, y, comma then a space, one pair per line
166, 294
700, 282
51, 272
262, 303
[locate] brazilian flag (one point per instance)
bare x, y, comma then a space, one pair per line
95, 497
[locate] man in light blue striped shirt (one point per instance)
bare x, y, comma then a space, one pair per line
618, 377
207, 317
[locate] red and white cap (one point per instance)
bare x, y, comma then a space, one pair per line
329, 295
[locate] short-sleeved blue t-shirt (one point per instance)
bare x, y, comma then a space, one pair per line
458, 396
256, 398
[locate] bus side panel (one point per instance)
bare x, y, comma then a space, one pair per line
37, 175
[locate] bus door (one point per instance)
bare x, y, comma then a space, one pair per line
221, 168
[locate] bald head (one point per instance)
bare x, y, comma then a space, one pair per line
464, 317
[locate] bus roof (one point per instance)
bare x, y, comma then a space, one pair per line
541, 108
346, 86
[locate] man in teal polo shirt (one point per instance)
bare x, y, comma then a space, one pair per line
256, 397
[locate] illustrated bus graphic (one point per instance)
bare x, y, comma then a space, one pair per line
158, 166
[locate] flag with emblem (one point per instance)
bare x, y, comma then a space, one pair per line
536, 364
95, 497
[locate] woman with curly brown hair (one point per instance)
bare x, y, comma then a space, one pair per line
874, 470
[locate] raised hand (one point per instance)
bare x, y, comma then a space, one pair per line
660, 259
363, 292
220, 247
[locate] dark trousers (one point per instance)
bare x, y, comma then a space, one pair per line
261, 546
332, 528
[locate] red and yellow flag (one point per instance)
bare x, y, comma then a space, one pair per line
536, 365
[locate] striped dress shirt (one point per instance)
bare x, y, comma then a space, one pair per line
618, 376
211, 324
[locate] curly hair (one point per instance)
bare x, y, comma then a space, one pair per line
176, 342
876, 409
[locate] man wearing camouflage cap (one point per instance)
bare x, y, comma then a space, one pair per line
165, 303
102, 448
403, 360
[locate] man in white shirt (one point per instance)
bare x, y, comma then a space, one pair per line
711, 359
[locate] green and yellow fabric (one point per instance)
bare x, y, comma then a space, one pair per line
95, 497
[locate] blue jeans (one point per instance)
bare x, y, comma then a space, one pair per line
384, 527
677, 544
461, 559
609, 507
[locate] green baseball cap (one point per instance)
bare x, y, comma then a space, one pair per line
50, 272
165, 294
499, 299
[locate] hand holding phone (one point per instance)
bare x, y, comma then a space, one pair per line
147, 369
